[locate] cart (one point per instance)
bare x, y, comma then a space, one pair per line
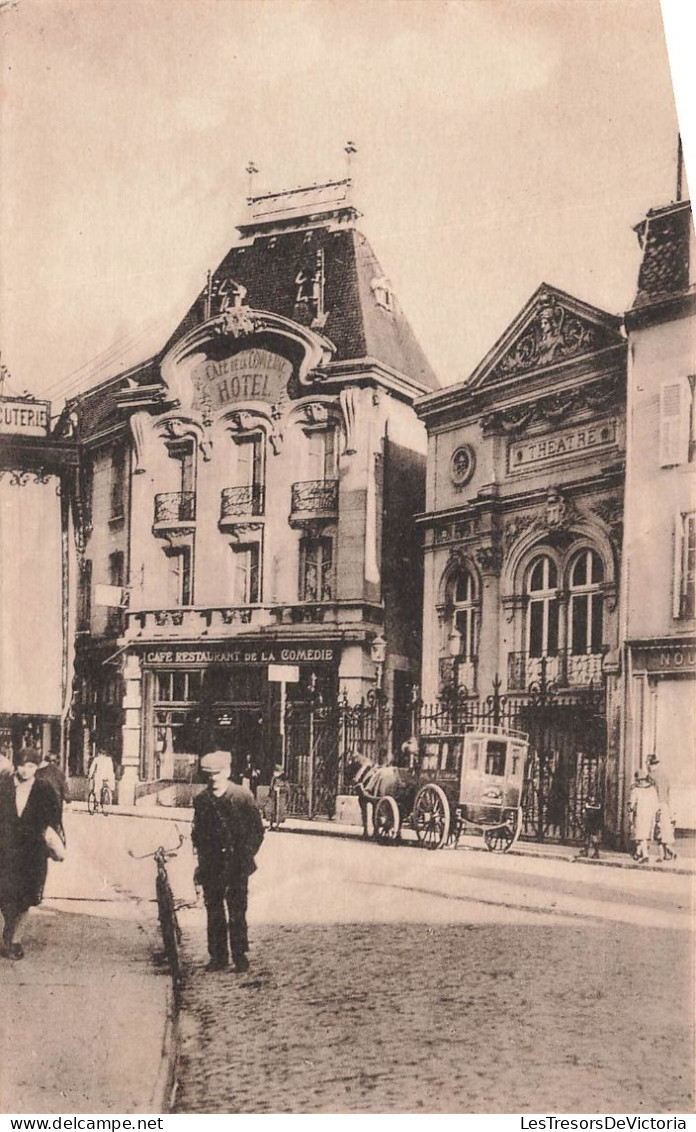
466, 782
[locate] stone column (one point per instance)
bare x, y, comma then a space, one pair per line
489, 559
132, 722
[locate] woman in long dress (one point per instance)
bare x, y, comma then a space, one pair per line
27, 807
642, 806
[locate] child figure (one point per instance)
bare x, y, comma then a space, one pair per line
278, 796
593, 825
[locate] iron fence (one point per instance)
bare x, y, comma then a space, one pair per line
565, 768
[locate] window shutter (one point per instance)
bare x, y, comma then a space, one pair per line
678, 561
675, 414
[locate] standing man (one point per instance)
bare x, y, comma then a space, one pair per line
227, 834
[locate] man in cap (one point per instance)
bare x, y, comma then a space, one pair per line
227, 834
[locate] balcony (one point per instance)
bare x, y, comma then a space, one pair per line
565, 670
238, 504
456, 672
174, 511
314, 501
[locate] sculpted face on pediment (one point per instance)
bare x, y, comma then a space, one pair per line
552, 329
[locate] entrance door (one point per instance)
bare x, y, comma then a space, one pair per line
239, 729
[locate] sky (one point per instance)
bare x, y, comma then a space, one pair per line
501, 143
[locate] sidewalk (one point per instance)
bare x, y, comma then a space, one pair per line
685, 864
87, 1019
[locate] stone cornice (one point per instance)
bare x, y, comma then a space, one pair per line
464, 403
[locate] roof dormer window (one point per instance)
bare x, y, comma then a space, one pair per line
382, 292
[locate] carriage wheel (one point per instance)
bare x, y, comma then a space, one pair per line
387, 821
431, 816
503, 837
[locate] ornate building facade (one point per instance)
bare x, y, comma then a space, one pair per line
522, 540
249, 491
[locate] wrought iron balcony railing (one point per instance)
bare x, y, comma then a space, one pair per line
175, 507
245, 500
566, 669
315, 497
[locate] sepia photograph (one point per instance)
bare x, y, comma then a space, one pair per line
347, 561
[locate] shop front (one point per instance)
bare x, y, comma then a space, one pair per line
662, 697
232, 696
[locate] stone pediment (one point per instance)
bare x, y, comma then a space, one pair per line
553, 328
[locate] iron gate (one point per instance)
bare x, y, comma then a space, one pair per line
320, 739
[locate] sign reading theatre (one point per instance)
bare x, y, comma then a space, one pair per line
250, 375
21, 417
558, 446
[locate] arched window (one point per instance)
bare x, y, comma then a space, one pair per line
464, 617
585, 578
542, 617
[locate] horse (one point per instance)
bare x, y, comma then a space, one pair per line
371, 781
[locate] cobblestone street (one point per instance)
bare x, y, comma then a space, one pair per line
522, 996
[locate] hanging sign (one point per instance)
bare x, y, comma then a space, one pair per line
20, 416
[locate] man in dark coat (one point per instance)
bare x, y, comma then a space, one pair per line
27, 807
227, 834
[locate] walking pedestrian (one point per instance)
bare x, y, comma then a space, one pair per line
642, 806
664, 822
593, 825
27, 808
227, 834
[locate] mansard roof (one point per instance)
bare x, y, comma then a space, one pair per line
363, 318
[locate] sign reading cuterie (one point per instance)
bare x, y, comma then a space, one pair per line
20, 416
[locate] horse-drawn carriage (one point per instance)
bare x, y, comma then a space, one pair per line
462, 782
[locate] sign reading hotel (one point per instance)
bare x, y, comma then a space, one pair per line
21, 417
558, 446
250, 375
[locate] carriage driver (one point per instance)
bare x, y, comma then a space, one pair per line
227, 834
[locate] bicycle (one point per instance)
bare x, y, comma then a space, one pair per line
104, 801
166, 907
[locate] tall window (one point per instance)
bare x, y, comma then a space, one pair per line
685, 566
118, 482
586, 601
322, 454
316, 569
246, 580
464, 618
542, 626
116, 579
84, 613
180, 578
185, 452
249, 471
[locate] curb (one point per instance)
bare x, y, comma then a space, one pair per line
164, 1090
530, 851
316, 830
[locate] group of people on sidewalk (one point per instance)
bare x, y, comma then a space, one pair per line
651, 813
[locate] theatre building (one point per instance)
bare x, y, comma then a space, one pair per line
250, 493
522, 548
658, 590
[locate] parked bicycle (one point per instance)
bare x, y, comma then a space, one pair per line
166, 907
103, 802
